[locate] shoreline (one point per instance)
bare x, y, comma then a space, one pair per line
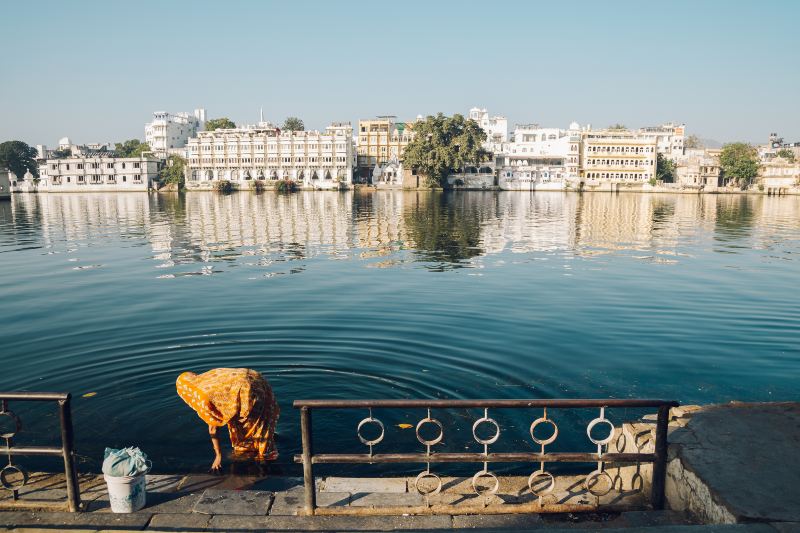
371, 189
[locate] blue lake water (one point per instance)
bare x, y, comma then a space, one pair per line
390, 295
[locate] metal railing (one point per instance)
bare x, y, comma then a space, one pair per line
540, 481
66, 450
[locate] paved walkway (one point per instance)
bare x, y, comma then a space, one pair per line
738, 462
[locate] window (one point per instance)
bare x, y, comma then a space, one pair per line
137, 165
80, 166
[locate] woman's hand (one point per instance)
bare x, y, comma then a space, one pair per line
215, 466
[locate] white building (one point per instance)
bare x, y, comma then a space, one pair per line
92, 174
539, 157
312, 159
617, 157
496, 127
698, 169
5, 184
168, 134
67, 148
669, 138
779, 173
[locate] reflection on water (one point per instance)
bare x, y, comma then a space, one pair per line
438, 230
392, 294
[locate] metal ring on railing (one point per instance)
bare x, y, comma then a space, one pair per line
428, 474
594, 476
546, 441
541, 473
370, 420
10, 469
637, 479
429, 420
593, 423
17, 425
486, 420
481, 474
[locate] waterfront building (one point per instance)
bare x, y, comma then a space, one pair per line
312, 159
617, 157
698, 169
473, 177
496, 127
380, 140
539, 156
66, 148
778, 174
168, 134
669, 138
92, 174
5, 184
389, 175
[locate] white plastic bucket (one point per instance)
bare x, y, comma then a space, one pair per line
127, 493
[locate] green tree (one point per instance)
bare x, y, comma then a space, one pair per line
739, 162
173, 170
19, 158
665, 169
693, 142
219, 123
618, 126
131, 148
443, 145
786, 154
293, 124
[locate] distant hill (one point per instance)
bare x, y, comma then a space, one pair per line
710, 143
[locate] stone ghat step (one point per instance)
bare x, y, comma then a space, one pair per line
420, 524
206, 494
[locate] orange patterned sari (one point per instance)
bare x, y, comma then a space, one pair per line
240, 398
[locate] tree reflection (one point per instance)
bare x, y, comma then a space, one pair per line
445, 227
735, 217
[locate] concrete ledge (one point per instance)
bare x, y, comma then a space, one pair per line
737, 462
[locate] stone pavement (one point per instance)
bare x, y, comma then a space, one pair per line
737, 462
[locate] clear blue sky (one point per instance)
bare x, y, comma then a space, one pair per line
96, 71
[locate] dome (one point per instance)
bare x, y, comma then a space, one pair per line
574, 125
64, 142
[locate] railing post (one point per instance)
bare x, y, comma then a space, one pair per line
70, 471
660, 463
308, 469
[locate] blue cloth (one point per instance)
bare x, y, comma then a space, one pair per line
125, 462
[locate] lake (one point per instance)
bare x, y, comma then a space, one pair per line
389, 295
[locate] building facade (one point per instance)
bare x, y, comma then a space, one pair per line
698, 169
536, 157
380, 140
779, 173
617, 156
669, 138
5, 184
496, 127
92, 174
168, 134
312, 159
